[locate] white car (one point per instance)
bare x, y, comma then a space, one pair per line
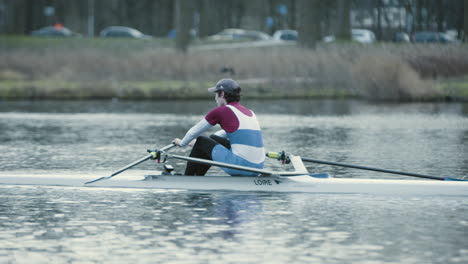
362, 35
358, 35
239, 34
122, 32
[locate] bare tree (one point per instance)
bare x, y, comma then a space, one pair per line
157, 17
309, 22
204, 11
379, 19
440, 15
465, 21
184, 19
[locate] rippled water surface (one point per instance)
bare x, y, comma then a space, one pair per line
92, 225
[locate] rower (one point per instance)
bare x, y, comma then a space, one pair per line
240, 140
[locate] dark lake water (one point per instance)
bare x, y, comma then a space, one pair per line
83, 225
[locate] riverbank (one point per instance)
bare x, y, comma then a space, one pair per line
34, 68
158, 90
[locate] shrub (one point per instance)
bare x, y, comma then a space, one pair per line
390, 78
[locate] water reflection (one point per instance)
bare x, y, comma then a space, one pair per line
93, 225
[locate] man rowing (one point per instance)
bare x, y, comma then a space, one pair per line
238, 142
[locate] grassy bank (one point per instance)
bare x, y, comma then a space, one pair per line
35, 68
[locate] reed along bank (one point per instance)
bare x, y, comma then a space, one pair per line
81, 69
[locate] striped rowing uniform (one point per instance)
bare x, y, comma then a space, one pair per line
239, 124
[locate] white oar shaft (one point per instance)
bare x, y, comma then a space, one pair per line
221, 164
140, 161
235, 167
133, 164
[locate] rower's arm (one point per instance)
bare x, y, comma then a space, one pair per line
221, 133
195, 131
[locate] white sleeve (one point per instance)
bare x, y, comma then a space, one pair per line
195, 131
221, 133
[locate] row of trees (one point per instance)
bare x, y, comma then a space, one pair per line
313, 18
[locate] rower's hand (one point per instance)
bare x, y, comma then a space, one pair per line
177, 142
191, 143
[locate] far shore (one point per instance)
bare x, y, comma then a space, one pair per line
162, 90
84, 69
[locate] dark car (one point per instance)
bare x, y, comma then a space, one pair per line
54, 31
401, 37
122, 32
431, 37
286, 35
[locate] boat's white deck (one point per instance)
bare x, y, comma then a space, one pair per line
269, 183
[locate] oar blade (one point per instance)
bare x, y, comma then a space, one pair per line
453, 179
418, 175
133, 164
95, 180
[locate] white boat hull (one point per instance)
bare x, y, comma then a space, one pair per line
304, 183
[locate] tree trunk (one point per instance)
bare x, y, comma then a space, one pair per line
18, 18
465, 21
183, 22
343, 30
379, 20
440, 15
419, 18
428, 17
203, 10
309, 22
292, 15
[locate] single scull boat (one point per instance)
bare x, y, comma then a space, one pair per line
269, 181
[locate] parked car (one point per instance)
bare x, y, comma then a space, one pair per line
285, 35
54, 31
239, 34
359, 35
329, 39
401, 37
122, 32
431, 37
362, 35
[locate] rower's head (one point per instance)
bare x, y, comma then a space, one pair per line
227, 91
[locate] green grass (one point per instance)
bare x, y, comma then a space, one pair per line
156, 90
457, 88
53, 89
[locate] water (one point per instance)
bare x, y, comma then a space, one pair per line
88, 225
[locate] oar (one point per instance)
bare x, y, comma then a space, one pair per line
236, 167
381, 170
133, 164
